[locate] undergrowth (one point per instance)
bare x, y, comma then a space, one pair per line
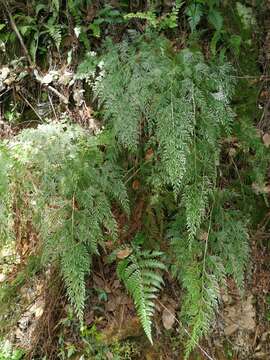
176, 107
171, 135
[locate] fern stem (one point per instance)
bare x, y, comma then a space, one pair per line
194, 132
206, 244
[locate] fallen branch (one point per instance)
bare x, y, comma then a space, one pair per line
57, 93
15, 29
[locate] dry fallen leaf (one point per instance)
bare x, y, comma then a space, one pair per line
4, 72
149, 154
266, 139
3, 277
232, 152
109, 355
230, 329
99, 283
122, 254
111, 305
135, 185
78, 96
240, 316
203, 236
168, 318
260, 189
116, 284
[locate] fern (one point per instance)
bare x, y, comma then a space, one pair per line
75, 264
6, 205
55, 32
232, 245
140, 276
68, 185
179, 101
74, 7
203, 264
195, 199
201, 278
200, 302
180, 105
164, 22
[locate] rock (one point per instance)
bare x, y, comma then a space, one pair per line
117, 332
231, 329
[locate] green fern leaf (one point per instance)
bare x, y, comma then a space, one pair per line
139, 272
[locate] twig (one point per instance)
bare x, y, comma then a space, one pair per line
258, 77
51, 88
132, 176
57, 93
5, 92
15, 29
53, 109
31, 106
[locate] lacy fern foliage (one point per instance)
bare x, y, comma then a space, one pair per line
64, 184
202, 265
149, 94
178, 105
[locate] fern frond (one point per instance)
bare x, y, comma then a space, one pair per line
55, 32
195, 200
232, 245
202, 287
75, 264
139, 272
201, 281
6, 204
179, 102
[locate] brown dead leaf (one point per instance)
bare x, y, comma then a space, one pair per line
240, 316
230, 329
3, 277
168, 318
122, 254
111, 305
203, 236
266, 139
89, 318
232, 152
149, 154
109, 355
131, 327
135, 185
99, 283
264, 94
116, 284
109, 245
260, 189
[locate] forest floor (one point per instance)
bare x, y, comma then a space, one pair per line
44, 321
